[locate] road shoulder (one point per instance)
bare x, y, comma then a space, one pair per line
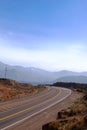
36, 122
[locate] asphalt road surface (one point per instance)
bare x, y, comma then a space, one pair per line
35, 105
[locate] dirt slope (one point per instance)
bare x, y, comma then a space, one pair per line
10, 89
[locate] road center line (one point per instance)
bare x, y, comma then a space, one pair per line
20, 121
31, 108
28, 100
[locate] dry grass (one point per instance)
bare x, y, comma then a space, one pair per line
10, 89
73, 118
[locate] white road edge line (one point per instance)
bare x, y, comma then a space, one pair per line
38, 111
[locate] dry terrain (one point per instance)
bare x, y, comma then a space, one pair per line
36, 122
10, 89
72, 118
14, 94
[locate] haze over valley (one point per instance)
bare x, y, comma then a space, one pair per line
39, 76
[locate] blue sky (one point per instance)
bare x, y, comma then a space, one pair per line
49, 34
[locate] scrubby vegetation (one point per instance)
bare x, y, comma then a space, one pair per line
78, 86
10, 89
72, 118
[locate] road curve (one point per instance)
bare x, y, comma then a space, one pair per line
36, 105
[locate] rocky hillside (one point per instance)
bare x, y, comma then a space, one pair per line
71, 85
72, 118
10, 89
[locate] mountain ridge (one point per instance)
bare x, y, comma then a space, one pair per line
37, 76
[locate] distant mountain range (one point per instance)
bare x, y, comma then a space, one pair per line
76, 79
39, 76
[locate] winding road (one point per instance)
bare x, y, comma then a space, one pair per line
33, 106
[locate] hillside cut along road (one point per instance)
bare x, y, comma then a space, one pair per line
36, 105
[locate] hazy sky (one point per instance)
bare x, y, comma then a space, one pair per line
49, 34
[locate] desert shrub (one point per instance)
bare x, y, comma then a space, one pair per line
77, 123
